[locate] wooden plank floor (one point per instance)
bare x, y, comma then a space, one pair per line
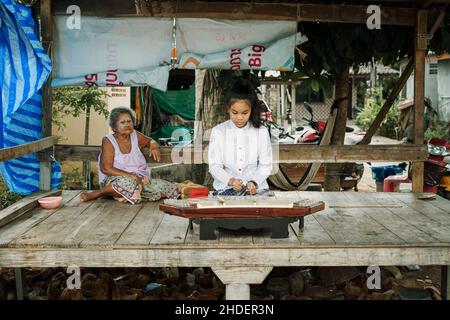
355, 228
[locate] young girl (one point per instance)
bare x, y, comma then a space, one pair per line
240, 151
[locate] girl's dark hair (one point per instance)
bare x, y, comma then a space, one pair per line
243, 90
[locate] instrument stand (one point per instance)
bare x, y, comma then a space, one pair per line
279, 226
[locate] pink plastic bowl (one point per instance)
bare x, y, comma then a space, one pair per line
50, 202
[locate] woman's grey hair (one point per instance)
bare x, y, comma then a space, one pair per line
116, 112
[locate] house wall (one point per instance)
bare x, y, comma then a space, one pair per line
437, 88
431, 85
272, 96
320, 110
73, 133
444, 90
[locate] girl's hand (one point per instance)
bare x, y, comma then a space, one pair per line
251, 187
154, 151
236, 184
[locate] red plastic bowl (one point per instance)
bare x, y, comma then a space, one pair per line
50, 202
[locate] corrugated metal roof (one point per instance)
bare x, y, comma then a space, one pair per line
437, 57
365, 70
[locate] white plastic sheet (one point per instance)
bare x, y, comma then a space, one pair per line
129, 45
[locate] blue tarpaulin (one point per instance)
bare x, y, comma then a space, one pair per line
24, 68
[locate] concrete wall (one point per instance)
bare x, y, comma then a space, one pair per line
444, 90
431, 85
74, 131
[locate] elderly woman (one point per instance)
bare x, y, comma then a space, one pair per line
122, 168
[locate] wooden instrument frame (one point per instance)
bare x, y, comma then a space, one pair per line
245, 212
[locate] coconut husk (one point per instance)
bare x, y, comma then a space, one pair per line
205, 280
352, 291
394, 271
120, 292
336, 276
56, 286
96, 288
435, 292
68, 294
387, 295
137, 281
296, 283
278, 287
318, 292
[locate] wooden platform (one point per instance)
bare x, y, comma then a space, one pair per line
356, 229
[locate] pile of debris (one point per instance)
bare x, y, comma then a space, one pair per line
323, 283
116, 284
350, 283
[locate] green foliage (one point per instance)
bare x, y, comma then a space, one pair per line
332, 47
437, 128
388, 84
7, 197
227, 78
75, 100
367, 115
361, 91
72, 180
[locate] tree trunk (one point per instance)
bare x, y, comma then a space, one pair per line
210, 111
332, 171
86, 142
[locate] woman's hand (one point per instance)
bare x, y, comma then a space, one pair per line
154, 151
251, 187
236, 184
137, 178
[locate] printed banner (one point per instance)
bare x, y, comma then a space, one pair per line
155, 77
139, 43
278, 55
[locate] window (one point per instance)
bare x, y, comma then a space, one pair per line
433, 68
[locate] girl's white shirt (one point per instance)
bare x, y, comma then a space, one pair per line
244, 153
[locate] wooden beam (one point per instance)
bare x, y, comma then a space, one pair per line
175, 256
437, 23
47, 40
421, 44
23, 206
388, 103
285, 153
26, 148
241, 11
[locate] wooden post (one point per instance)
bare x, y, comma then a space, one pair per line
237, 280
293, 107
421, 43
445, 284
47, 38
332, 178
283, 106
21, 286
